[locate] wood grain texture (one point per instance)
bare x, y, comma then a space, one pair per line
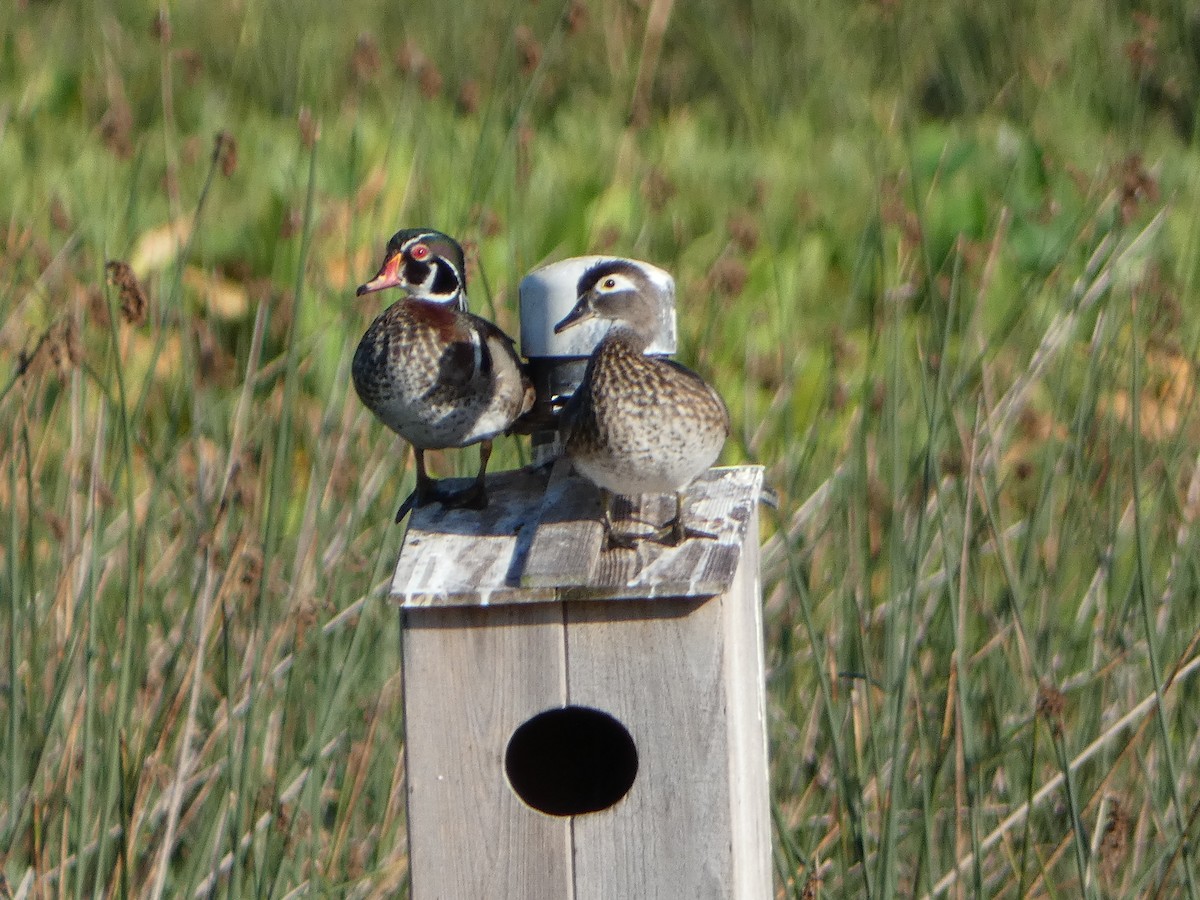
539, 541
467, 557
471, 677
565, 549
567, 532
749, 773
658, 668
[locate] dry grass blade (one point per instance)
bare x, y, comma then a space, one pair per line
186, 759
1054, 784
264, 821
657, 17
1102, 269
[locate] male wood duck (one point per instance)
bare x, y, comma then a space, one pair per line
637, 424
432, 372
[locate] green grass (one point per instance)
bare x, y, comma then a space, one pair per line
941, 260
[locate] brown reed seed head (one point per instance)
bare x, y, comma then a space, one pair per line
160, 26
116, 129
365, 61
469, 97
1051, 704
743, 230
59, 217
728, 276
58, 349
431, 81
1114, 844
1142, 50
192, 63
529, 51
132, 295
657, 189
812, 886
576, 16
309, 129
1135, 186
225, 153
96, 307
408, 59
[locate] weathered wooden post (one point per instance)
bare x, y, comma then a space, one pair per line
584, 723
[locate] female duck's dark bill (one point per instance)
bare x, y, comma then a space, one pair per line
581, 313
389, 276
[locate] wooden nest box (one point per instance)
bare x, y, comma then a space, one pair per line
584, 723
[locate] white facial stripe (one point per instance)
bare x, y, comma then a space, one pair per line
427, 284
412, 242
611, 284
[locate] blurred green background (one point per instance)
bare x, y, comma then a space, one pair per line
939, 257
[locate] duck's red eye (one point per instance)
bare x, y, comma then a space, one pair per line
610, 283
419, 252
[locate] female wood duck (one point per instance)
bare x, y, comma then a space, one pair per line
432, 372
637, 424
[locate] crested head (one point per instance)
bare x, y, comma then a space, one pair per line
426, 264
618, 290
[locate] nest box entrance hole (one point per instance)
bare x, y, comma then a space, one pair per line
569, 761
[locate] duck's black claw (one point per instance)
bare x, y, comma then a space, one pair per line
675, 533
614, 540
410, 503
689, 533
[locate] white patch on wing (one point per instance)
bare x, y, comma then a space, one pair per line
477, 351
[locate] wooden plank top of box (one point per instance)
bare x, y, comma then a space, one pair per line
539, 540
